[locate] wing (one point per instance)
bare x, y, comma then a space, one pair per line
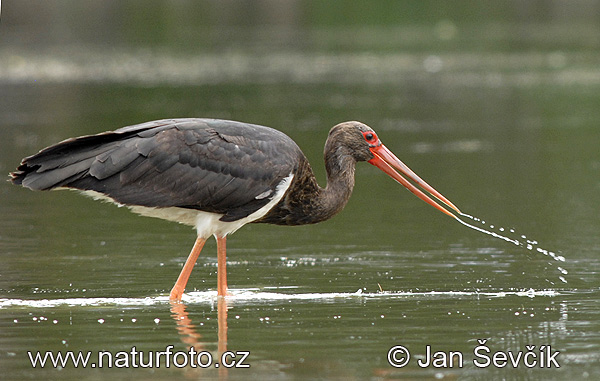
211, 165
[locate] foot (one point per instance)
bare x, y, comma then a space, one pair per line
176, 294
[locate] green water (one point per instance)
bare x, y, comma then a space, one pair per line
496, 106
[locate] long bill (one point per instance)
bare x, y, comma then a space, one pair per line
385, 160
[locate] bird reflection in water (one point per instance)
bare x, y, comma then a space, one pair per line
189, 335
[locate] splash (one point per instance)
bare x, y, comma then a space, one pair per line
255, 295
522, 240
493, 234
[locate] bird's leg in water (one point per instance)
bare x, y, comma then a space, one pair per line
179, 287
221, 266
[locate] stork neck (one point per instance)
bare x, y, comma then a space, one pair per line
308, 203
340, 181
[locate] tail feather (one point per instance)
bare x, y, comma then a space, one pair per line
74, 158
67, 161
53, 177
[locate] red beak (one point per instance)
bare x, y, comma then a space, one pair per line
385, 160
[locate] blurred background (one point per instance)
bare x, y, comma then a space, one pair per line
503, 93
494, 103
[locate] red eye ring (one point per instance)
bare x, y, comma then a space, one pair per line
370, 137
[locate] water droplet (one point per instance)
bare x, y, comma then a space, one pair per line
528, 244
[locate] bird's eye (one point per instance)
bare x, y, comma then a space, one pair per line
370, 137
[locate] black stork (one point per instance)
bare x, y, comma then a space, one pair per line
215, 175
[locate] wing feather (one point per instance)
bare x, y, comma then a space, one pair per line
211, 165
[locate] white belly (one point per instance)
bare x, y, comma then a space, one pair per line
206, 223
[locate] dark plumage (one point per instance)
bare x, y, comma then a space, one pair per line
214, 174
204, 164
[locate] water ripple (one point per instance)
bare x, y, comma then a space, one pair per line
249, 296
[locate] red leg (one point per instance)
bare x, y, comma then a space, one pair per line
222, 266
179, 287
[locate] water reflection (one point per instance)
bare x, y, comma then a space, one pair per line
188, 332
189, 335
299, 323
497, 104
222, 334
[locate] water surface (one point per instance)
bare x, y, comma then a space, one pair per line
495, 107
